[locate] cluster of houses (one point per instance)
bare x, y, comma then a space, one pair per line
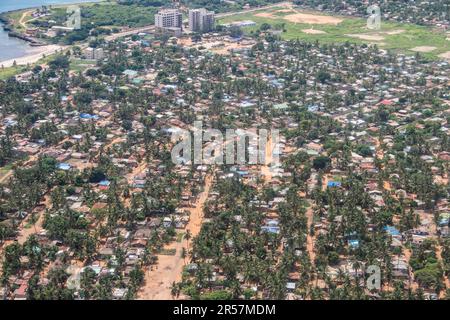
289, 80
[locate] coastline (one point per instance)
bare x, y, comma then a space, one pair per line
36, 53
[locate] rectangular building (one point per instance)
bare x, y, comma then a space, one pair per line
93, 53
169, 18
201, 20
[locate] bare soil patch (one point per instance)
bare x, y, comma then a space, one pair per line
370, 37
312, 19
394, 32
297, 17
445, 55
423, 49
313, 31
159, 279
265, 15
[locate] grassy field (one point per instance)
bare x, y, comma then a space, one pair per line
80, 65
6, 73
108, 13
393, 36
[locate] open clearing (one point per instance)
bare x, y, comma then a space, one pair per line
445, 55
423, 49
169, 268
394, 32
313, 31
297, 17
369, 37
299, 24
312, 19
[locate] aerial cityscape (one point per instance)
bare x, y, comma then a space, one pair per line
224, 150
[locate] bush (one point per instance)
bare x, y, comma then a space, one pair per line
217, 295
321, 162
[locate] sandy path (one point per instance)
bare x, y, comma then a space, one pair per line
407, 253
21, 22
325, 180
310, 239
159, 280
266, 170
380, 155
446, 280
6, 176
22, 18
24, 233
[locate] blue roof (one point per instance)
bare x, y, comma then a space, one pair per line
334, 184
313, 108
270, 229
392, 230
64, 166
353, 243
88, 116
104, 183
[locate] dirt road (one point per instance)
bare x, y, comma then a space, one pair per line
158, 281
266, 170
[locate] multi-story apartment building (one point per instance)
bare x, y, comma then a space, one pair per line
169, 18
93, 53
201, 20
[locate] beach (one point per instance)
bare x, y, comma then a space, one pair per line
34, 55
13, 49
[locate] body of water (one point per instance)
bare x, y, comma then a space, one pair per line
11, 48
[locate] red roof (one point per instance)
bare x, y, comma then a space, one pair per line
386, 102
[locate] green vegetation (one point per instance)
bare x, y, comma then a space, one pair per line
421, 12
400, 37
6, 73
80, 65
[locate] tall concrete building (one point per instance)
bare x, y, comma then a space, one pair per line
201, 20
93, 53
169, 18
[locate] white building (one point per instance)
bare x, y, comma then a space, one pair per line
201, 20
169, 18
93, 53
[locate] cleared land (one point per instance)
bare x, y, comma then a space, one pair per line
400, 37
313, 31
159, 279
445, 55
302, 17
423, 49
370, 37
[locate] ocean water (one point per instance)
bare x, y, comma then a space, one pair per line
11, 48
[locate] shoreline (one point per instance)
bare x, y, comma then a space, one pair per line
52, 5
37, 54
